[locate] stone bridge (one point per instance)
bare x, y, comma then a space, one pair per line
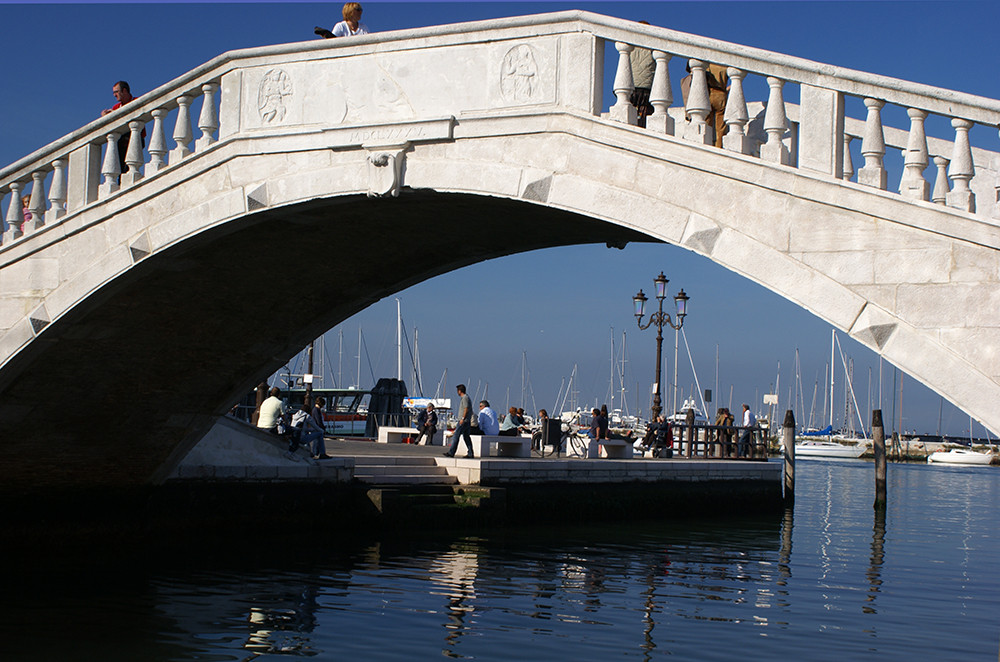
136, 308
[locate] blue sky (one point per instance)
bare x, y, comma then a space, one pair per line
558, 306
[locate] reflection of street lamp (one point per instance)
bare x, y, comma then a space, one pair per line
660, 319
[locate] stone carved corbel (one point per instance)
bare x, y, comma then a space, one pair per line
385, 169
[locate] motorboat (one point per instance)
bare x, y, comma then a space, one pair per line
829, 449
679, 419
960, 456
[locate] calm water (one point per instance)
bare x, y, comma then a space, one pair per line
829, 582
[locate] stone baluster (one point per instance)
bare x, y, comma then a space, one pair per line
915, 159
848, 160
873, 173
941, 188
623, 111
36, 204
736, 116
208, 121
15, 214
698, 105
111, 168
133, 156
157, 144
57, 192
961, 169
775, 124
182, 131
661, 96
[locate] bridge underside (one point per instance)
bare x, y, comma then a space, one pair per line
121, 387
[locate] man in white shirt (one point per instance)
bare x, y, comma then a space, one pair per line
749, 422
488, 422
271, 410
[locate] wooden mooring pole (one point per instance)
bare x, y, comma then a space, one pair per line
788, 441
878, 437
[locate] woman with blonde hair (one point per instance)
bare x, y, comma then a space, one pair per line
350, 26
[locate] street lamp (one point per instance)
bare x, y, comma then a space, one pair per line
660, 319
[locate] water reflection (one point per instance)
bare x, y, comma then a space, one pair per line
455, 571
875, 563
687, 589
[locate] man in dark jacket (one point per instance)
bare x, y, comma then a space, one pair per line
427, 421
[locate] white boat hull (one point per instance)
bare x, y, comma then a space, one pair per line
959, 456
829, 449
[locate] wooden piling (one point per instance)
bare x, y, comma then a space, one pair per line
788, 441
878, 437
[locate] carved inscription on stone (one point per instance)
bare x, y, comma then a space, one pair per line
519, 74
273, 95
389, 133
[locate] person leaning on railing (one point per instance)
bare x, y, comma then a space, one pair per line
350, 26
123, 95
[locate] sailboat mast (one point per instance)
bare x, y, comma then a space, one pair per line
399, 342
359, 358
621, 378
612, 383
416, 365
524, 363
833, 339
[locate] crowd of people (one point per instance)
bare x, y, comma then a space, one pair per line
305, 427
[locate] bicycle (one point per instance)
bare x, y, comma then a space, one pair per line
571, 443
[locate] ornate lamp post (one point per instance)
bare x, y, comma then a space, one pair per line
660, 319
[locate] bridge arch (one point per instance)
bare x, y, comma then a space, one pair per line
150, 307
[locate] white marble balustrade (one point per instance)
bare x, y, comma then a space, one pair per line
79, 174
774, 136
815, 135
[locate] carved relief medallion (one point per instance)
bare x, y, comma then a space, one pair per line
519, 74
274, 89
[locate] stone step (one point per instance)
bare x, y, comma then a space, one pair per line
379, 460
406, 479
397, 469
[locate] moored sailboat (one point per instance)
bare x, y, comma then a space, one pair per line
963, 456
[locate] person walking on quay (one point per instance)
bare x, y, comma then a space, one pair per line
464, 423
749, 423
427, 421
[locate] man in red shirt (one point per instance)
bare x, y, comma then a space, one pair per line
122, 95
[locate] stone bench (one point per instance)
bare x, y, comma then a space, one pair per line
506, 446
393, 435
618, 449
